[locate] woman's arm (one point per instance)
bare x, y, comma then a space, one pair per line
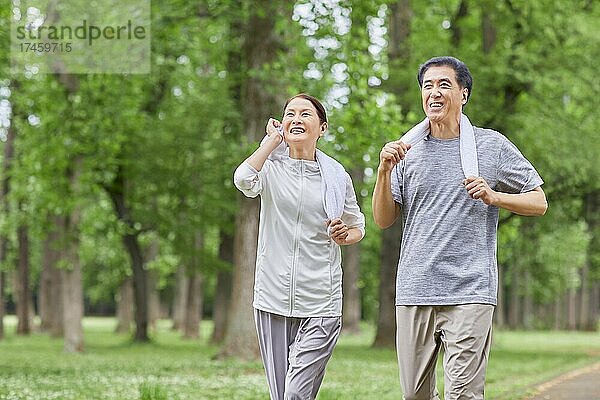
247, 177
274, 139
342, 235
350, 228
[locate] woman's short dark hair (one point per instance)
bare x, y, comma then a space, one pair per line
463, 75
315, 102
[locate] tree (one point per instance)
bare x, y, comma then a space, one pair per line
258, 99
398, 55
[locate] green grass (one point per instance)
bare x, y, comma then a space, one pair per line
112, 367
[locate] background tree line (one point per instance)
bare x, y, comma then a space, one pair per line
116, 192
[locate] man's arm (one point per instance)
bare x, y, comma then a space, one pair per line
385, 209
532, 203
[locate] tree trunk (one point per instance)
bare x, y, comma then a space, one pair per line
180, 298
558, 314
572, 309
72, 281
2, 278
528, 315
590, 303
260, 47
488, 30
73, 303
391, 238
390, 254
221, 306
595, 304
22, 290
116, 191
125, 307
399, 54
193, 309
223, 291
461, 13
240, 338
351, 310
515, 298
45, 305
150, 254
500, 308
50, 294
585, 315
139, 288
9, 150
153, 298
351, 276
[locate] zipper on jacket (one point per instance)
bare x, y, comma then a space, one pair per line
296, 241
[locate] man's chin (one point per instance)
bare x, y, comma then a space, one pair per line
435, 117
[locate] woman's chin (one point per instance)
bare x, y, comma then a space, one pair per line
298, 140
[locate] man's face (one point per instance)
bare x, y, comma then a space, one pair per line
442, 95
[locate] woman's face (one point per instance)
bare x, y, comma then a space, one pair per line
301, 122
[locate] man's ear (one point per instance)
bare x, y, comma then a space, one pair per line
465, 96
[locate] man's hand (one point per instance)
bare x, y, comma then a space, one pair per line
478, 188
392, 153
338, 231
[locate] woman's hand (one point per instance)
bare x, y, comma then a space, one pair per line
338, 231
274, 130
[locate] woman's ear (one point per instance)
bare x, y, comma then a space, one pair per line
323, 128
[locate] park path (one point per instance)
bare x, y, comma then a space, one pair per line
581, 384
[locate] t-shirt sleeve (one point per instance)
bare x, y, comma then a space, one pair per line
515, 172
397, 183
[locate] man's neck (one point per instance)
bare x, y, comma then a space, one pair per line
448, 129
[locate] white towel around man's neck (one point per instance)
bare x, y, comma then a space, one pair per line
333, 176
468, 148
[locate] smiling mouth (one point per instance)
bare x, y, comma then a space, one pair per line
435, 104
297, 131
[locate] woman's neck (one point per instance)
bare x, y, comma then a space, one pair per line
303, 153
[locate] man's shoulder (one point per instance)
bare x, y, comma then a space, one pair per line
488, 133
489, 137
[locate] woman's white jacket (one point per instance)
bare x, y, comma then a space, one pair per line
298, 266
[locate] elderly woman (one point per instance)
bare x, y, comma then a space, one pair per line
308, 210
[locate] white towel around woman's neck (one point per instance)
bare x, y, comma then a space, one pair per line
333, 175
468, 148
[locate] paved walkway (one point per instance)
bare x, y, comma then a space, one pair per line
581, 384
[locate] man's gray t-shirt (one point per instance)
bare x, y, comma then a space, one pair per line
448, 253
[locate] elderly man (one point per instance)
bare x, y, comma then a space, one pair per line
448, 179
